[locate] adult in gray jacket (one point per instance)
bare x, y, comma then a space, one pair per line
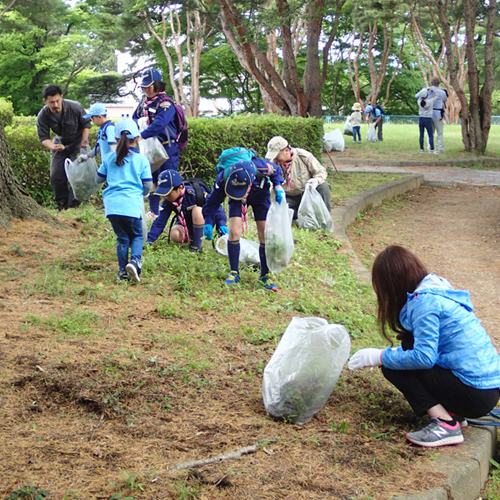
437, 110
425, 104
66, 119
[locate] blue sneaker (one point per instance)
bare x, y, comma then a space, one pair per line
437, 433
123, 275
232, 279
267, 282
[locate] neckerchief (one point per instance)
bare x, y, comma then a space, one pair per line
286, 170
152, 101
180, 214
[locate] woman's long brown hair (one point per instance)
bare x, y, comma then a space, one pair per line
395, 273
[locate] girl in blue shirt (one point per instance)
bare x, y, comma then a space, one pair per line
446, 365
129, 178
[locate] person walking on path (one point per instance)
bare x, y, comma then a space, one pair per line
376, 113
425, 104
300, 168
160, 112
356, 121
129, 178
437, 111
66, 119
446, 365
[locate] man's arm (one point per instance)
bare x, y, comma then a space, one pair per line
85, 137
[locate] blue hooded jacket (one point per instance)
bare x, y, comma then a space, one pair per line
446, 333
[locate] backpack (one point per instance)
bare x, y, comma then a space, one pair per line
182, 137
200, 188
376, 106
233, 155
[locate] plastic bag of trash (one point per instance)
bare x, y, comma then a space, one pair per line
151, 148
249, 250
82, 176
334, 140
313, 214
278, 236
304, 369
348, 126
371, 135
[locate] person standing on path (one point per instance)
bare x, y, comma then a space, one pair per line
446, 366
66, 119
437, 111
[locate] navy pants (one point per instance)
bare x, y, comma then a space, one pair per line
425, 123
128, 232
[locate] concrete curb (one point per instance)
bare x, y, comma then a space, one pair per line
466, 466
427, 161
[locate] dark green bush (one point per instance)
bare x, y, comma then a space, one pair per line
209, 137
6, 112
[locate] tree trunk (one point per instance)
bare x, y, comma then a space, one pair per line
15, 203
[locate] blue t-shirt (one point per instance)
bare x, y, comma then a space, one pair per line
105, 137
124, 194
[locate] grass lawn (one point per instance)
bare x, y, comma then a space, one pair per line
401, 143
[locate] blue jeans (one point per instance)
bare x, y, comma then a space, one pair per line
128, 232
425, 123
356, 131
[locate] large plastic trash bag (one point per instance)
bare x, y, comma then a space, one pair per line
278, 236
154, 151
249, 250
348, 126
304, 369
371, 135
334, 140
313, 214
82, 177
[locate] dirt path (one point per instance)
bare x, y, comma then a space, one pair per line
455, 231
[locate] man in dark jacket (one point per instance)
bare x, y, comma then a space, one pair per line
66, 119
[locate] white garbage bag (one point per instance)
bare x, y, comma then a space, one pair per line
334, 140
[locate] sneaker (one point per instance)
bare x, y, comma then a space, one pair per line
461, 420
123, 275
437, 433
195, 249
232, 278
422, 151
435, 152
267, 282
151, 215
134, 271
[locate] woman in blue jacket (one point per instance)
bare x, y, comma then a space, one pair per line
446, 365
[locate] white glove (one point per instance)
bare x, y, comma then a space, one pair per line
365, 357
82, 158
313, 183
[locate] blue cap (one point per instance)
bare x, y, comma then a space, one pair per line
149, 77
368, 109
96, 109
238, 178
126, 125
168, 180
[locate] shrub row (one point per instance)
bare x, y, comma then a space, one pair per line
207, 138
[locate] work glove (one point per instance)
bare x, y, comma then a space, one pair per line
208, 231
280, 194
312, 183
82, 158
365, 357
224, 230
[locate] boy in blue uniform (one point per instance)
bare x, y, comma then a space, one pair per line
106, 140
160, 111
245, 183
182, 199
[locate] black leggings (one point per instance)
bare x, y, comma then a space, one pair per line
424, 389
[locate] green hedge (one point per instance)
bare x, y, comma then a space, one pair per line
6, 112
207, 138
